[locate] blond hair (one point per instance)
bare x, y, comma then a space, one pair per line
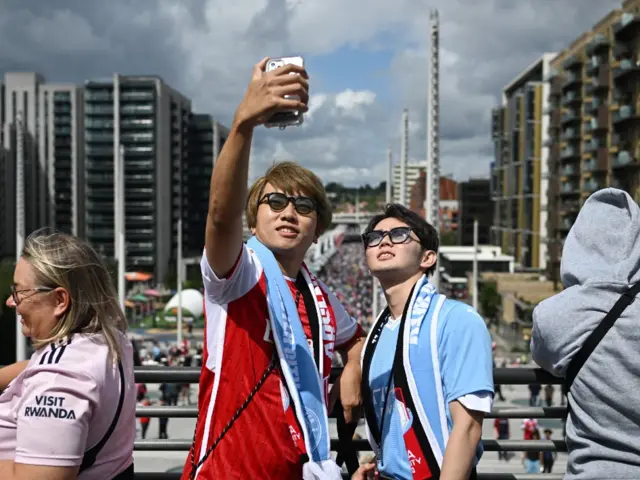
291, 178
61, 260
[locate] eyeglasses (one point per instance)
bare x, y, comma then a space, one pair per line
16, 297
396, 235
278, 202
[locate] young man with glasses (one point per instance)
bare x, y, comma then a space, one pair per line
252, 421
427, 362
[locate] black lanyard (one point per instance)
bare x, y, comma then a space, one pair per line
398, 375
369, 409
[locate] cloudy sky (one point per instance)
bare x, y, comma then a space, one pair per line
367, 60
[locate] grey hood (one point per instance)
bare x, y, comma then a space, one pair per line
600, 259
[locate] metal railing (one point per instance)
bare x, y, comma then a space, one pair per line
502, 376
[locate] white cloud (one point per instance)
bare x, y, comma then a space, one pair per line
206, 49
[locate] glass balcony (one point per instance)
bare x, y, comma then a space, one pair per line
626, 66
623, 30
136, 95
569, 170
571, 62
98, 109
137, 123
569, 134
623, 158
61, 97
98, 137
92, 150
98, 96
591, 185
624, 113
589, 165
570, 116
136, 109
591, 146
568, 187
599, 42
95, 123
568, 152
137, 137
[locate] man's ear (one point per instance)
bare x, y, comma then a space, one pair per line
428, 259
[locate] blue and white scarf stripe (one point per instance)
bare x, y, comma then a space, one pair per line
296, 360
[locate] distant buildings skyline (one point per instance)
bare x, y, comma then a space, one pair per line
70, 135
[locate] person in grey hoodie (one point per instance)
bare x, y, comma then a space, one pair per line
600, 261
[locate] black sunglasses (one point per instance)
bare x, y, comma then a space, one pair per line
278, 202
396, 235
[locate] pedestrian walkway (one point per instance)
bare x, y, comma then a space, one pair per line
518, 396
515, 396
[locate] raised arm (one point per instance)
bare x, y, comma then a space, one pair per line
227, 198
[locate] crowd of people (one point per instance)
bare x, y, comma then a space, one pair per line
347, 275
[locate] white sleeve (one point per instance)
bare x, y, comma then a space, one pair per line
242, 277
478, 402
346, 326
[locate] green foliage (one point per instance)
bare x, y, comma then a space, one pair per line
448, 238
490, 300
7, 315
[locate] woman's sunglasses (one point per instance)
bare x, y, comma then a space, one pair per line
278, 202
396, 235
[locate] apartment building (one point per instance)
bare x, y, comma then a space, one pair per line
149, 121
41, 144
519, 176
448, 201
412, 175
595, 112
206, 139
474, 197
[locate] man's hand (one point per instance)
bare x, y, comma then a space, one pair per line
349, 391
365, 472
266, 93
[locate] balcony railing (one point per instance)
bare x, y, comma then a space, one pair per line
623, 159
599, 43
626, 112
589, 165
569, 134
568, 187
571, 62
502, 376
626, 67
568, 152
624, 29
591, 186
570, 116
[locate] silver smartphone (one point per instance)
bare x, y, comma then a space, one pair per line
287, 118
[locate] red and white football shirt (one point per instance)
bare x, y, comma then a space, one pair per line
265, 441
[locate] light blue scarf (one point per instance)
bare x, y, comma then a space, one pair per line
297, 363
420, 359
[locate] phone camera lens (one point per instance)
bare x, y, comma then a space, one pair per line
273, 65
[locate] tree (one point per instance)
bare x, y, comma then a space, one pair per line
490, 300
448, 238
7, 315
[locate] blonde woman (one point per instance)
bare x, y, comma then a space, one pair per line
70, 411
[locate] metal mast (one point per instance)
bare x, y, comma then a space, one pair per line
389, 192
404, 154
432, 188
21, 343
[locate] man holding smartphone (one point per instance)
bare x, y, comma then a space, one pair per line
252, 421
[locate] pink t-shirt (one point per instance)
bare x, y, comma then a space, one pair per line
62, 404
